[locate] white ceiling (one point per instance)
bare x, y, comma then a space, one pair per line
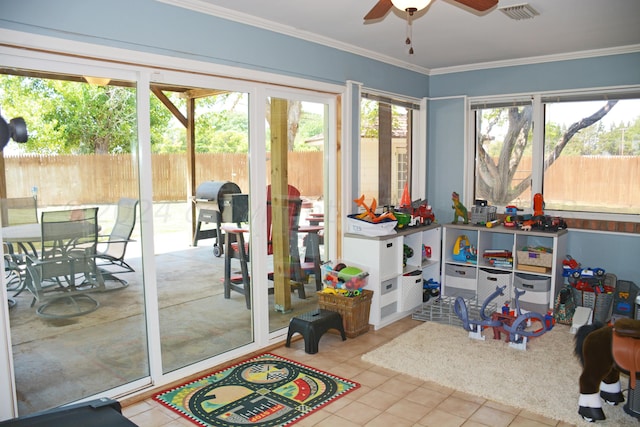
446, 36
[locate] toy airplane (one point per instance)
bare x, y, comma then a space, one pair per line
370, 211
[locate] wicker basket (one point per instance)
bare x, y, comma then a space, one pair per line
600, 303
354, 310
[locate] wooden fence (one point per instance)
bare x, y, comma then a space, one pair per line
70, 180
103, 179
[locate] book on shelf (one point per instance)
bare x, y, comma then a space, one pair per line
533, 268
497, 253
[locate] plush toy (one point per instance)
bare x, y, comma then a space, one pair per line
603, 351
458, 209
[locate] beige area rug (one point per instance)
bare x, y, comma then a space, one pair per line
543, 379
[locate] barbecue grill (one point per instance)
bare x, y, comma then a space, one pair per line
219, 202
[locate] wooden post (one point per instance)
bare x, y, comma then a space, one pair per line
191, 158
280, 205
385, 153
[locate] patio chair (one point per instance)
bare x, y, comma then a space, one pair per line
115, 246
17, 211
64, 272
238, 248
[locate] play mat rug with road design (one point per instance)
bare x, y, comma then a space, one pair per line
266, 390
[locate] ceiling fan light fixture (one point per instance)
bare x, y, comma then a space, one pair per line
411, 6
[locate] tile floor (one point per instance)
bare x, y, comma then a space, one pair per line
384, 399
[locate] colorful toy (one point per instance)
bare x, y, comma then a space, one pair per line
422, 212
475, 327
459, 211
603, 352
407, 252
430, 289
343, 277
538, 205
463, 251
515, 325
405, 201
369, 213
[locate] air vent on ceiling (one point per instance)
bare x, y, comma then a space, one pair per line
519, 11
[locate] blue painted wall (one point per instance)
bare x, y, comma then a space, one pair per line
617, 253
150, 26
154, 27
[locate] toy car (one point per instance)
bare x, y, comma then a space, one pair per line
586, 273
570, 263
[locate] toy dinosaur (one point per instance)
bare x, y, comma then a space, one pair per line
458, 209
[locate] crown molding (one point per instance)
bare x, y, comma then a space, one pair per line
621, 50
220, 12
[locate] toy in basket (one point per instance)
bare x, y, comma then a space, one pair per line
343, 276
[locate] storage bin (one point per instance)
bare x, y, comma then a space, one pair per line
460, 280
354, 310
532, 283
624, 298
337, 279
488, 280
368, 228
388, 286
600, 303
411, 290
537, 302
537, 297
535, 257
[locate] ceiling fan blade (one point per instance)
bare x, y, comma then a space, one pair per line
380, 9
479, 5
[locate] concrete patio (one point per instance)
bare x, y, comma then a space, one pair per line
61, 360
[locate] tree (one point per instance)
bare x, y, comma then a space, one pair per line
494, 175
67, 117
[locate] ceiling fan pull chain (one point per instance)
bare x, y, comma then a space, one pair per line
409, 32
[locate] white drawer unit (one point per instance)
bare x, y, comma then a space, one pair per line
537, 296
460, 281
479, 277
411, 291
394, 294
489, 279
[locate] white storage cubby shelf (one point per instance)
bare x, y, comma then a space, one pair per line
397, 289
480, 280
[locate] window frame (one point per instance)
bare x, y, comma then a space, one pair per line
416, 110
538, 101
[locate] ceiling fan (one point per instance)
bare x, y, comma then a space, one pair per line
411, 6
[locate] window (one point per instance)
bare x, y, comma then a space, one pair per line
503, 154
386, 144
592, 156
585, 161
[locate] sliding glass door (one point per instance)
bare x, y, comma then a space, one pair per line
174, 168
297, 137
83, 332
202, 156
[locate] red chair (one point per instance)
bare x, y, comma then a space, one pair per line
236, 247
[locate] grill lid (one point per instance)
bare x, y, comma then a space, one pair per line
214, 190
